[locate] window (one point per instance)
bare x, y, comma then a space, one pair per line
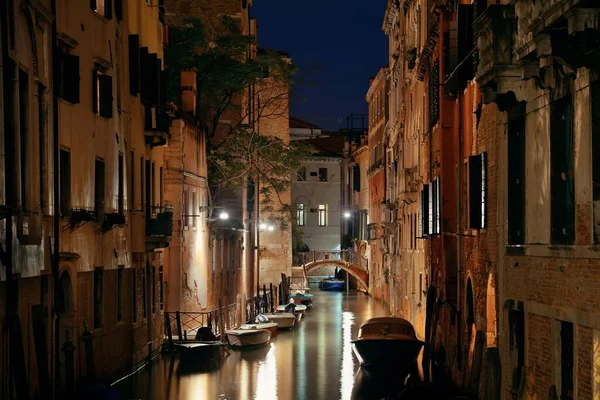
148, 188
121, 188
99, 190
424, 220
322, 214
478, 191
134, 300
161, 288
562, 191
68, 86
435, 189
102, 7
120, 293
98, 296
566, 360
152, 187
102, 94
516, 175
153, 289
356, 176
322, 174
301, 176
134, 65
371, 231
65, 183
24, 138
10, 140
516, 322
132, 182
430, 211
300, 210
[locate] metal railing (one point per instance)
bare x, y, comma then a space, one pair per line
183, 325
261, 303
160, 221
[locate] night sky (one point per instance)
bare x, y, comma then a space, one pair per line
337, 45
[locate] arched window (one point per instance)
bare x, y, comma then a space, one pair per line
356, 173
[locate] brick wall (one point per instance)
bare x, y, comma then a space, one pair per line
539, 369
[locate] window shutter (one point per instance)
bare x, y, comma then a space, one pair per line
70, 78
95, 91
425, 210
93, 5
465, 45
144, 73
108, 9
119, 9
477, 175
435, 92
134, 64
106, 99
516, 175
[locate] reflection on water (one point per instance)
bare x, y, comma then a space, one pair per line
313, 361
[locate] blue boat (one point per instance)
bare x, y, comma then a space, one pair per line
302, 298
332, 284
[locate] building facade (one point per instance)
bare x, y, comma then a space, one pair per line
316, 192
377, 100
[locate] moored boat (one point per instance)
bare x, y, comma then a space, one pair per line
298, 309
332, 284
282, 319
198, 350
387, 342
270, 326
248, 337
302, 298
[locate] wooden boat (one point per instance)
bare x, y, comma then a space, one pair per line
332, 284
270, 326
300, 308
248, 337
198, 350
302, 298
387, 342
282, 319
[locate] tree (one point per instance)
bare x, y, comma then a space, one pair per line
238, 86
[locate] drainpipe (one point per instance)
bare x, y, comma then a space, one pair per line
56, 206
458, 227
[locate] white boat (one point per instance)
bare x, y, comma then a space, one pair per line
283, 320
270, 326
300, 308
248, 337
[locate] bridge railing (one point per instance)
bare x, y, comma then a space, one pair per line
337, 255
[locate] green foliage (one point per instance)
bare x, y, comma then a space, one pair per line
227, 73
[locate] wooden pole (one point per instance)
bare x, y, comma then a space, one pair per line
221, 322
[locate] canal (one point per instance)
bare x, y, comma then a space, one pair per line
313, 361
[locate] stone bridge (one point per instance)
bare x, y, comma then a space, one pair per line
354, 264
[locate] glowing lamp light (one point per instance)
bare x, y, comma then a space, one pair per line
347, 214
223, 215
271, 228
262, 226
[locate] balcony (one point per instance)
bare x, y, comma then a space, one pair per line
159, 227
112, 220
80, 216
497, 72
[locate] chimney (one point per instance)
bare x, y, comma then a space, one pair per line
188, 90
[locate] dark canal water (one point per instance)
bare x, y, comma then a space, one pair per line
313, 361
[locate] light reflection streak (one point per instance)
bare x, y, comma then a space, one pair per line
347, 376
266, 382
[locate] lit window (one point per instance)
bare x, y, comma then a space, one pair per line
322, 214
300, 214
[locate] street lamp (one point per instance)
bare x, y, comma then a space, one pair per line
347, 214
223, 215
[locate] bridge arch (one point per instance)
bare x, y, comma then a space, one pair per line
361, 275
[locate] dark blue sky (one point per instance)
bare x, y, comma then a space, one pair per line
337, 45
